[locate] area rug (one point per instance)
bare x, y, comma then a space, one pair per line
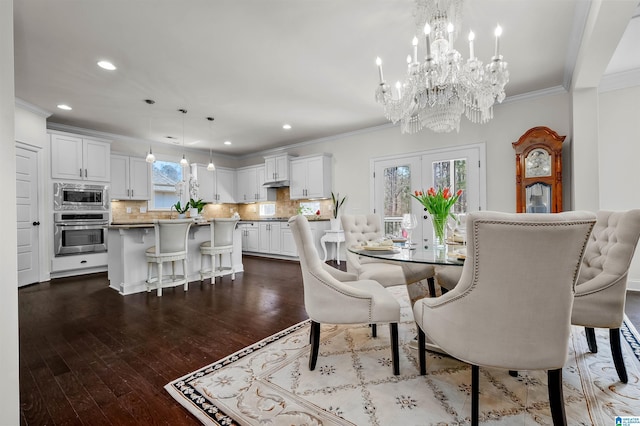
269, 383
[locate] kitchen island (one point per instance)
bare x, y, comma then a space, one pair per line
127, 264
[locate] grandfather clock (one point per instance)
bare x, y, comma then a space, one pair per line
539, 171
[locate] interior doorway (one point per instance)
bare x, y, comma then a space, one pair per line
28, 224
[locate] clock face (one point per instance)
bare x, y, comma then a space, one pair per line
537, 163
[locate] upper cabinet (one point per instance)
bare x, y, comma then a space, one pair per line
129, 178
276, 168
310, 177
250, 185
218, 186
79, 158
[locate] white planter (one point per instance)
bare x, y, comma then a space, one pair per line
335, 224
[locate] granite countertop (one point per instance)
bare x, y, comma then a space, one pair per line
133, 225
280, 219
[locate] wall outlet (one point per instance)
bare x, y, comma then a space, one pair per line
128, 209
143, 209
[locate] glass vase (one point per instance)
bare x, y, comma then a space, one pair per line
439, 232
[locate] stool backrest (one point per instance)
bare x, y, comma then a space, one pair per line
171, 235
222, 231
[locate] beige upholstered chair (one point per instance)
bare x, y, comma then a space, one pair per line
511, 308
362, 228
602, 284
220, 242
171, 245
336, 297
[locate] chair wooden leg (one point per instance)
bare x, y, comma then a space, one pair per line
591, 340
315, 344
616, 352
513, 373
374, 330
422, 347
395, 351
475, 394
556, 398
432, 286
159, 281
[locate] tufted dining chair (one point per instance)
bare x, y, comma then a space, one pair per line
220, 242
511, 308
170, 246
359, 229
602, 284
336, 297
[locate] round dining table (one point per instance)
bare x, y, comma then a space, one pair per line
407, 258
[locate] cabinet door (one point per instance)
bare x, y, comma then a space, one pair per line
242, 185
287, 243
225, 185
119, 177
264, 237
96, 158
282, 167
270, 169
315, 178
207, 184
251, 239
66, 157
139, 178
298, 179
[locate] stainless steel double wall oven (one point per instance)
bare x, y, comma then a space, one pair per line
80, 218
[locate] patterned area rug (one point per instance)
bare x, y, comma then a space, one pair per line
269, 383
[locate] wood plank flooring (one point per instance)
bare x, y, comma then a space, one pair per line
89, 356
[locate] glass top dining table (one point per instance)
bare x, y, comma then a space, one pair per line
452, 255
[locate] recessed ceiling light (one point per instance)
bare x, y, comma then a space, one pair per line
227, 142
65, 107
106, 65
286, 126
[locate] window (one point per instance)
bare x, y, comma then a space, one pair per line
267, 209
309, 208
167, 179
452, 174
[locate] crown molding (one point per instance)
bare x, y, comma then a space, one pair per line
619, 80
556, 90
32, 108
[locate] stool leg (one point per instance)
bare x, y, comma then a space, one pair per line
186, 275
173, 270
159, 279
233, 270
202, 256
149, 271
213, 268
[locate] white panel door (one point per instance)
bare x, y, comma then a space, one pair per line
27, 211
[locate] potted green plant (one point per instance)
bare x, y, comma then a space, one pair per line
337, 202
181, 209
197, 205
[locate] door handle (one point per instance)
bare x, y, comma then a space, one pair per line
36, 223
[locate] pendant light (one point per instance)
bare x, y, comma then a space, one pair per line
183, 162
150, 157
211, 167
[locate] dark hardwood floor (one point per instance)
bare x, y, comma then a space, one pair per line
89, 356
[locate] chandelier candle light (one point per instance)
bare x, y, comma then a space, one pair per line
439, 90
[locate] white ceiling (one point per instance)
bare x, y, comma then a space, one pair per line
257, 64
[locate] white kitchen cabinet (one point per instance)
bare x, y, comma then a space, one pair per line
249, 232
75, 157
310, 177
249, 185
276, 167
287, 243
129, 178
269, 237
218, 186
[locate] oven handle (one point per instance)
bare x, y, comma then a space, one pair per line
92, 224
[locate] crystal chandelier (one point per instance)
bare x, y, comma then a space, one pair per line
440, 89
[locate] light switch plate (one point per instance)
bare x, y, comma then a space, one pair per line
128, 209
143, 209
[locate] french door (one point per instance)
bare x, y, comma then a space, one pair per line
395, 178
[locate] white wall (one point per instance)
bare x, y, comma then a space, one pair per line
619, 154
351, 153
9, 391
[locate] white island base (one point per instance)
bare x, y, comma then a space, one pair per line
127, 264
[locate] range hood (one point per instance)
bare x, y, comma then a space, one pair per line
276, 184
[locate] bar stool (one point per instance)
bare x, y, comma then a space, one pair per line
221, 241
171, 245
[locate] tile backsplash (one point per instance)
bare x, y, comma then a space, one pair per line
284, 208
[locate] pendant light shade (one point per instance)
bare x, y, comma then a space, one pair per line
150, 157
183, 161
211, 167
